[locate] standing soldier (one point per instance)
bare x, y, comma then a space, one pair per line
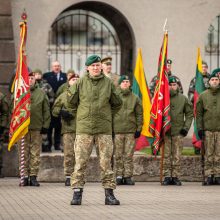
3, 124
95, 98
39, 123
181, 119
46, 87
208, 125
56, 78
68, 121
107, 70
154, 80
127, 126
191, 91
65, 86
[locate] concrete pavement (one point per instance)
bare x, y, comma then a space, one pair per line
142, 201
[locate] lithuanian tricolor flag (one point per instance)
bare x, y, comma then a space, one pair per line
199, 88
140, 88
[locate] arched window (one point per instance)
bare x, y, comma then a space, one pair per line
212, 45
76, 34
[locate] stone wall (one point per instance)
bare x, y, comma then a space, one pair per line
7, 48
146, 168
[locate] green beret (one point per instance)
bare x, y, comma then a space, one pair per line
169, 61
92, 59
123, 77
37, 71
172, 79
215, 73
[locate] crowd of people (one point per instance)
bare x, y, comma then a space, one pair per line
99, 110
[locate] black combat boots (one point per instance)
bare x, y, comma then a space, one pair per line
119, 180
128, 181
167, 181
33, 181
67, 182
110, 198
176, 181
217, 180
77, 197
209, 181
26, 182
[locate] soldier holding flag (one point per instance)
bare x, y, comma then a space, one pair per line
181, 112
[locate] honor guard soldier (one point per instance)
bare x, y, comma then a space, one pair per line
181, 111
68, 121
39, 123
107, 70
127, 125
95, 99
191, 91
208, 125
154, 80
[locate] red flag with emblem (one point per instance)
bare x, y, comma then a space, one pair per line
160, 110
21, 107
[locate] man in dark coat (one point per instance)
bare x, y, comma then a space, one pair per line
55, 78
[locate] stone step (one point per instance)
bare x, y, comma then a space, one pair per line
146, 168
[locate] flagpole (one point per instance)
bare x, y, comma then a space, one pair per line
162, 143
22, 159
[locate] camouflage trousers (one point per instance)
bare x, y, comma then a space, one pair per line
172, 154
212, 153
124, 151
83, 148
32, 148
69, 155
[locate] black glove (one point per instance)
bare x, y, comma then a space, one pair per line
44, 131
1, 130
201, 134
137, 134
66, 115
183, 132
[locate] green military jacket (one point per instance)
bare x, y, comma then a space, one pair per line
181, 111
4, 111
61, 103
130, 116
95, 99
208, 110
40, 109
62, 89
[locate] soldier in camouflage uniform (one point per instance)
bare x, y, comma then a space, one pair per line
181, 111
208, 125
95, 98
107, 70
4, 110
154, 80
70, 73
191, 91
127, 125
39, 123
46, 87
68, 121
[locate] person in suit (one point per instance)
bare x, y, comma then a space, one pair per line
55, 78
